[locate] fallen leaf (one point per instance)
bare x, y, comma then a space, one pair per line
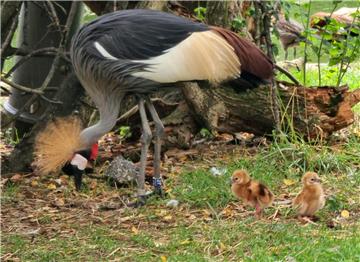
4, 181
59, 202
134, 230
16, 178
185, 242
222, 246
93, 185
34, 183
345, 214
163, 258
51, 186
167, 218
192, 217
289, 182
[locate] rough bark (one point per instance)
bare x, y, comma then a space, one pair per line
311, 112
222, 13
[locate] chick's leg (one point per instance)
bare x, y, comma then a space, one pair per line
159, 133
258, 210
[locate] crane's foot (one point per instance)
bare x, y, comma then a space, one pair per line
158, 189
141, 200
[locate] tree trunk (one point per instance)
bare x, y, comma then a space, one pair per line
311, 112
22, 155
38, 30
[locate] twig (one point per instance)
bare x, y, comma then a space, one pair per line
113, 252
20, 87
51, 100
45, 50
9, 36
341, 74
321, 43
5, 90
288, 74
306, 43
53, 15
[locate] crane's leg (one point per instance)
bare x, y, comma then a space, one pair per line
145, 142
286, 54
159, 133
294, 52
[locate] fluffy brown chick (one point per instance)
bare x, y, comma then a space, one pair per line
251, 192
311, 198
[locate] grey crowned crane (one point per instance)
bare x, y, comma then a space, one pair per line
137, 52
289, 33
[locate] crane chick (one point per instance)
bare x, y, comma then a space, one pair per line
251, 192
311, 198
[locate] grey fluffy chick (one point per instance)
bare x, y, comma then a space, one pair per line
122, 171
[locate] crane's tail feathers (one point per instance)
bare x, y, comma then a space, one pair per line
253, 60
56, 144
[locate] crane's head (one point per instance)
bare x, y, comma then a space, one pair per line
59, 146
310, 178
240, 177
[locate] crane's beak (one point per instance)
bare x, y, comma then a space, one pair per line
76, 168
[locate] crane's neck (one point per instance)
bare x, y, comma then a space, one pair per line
108, 116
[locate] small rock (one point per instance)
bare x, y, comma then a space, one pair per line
218, 171
58, 181
172, 203
122, 171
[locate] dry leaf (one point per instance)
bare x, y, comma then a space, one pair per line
134, 230
163, 258
192, 217
222, 246
185, 242
51, 186
34, 183
345, 214
167, 218
93, 185
16, 178
289, 182
59, 202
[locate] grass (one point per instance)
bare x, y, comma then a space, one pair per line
210, 224
199, 230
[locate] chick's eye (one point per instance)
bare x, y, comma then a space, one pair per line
236, 178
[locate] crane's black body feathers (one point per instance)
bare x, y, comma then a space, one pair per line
130, 35
137, 34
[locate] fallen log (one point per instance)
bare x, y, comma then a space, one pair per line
314, 112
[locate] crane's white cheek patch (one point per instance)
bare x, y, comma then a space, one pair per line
103, 51
79, 161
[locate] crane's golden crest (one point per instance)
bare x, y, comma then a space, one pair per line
56, 144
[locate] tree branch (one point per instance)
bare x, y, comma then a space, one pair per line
38, 52
288, 74
20, 87
9, 36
